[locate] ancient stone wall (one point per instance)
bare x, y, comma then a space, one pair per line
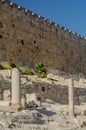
27, 38
57, 93
49, 89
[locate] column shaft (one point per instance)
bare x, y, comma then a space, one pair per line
16, 91
15, 86
71, 97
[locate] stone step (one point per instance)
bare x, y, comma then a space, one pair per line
4, 106
4, 109
4, 103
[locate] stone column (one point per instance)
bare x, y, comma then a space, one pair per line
71, 97
16, 98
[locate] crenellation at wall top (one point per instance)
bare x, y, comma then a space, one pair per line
12, 4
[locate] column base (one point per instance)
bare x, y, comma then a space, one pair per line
15, 108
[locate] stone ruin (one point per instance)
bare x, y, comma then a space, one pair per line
25, 107
67, 45
47, 42
17, 96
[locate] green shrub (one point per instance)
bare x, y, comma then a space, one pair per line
12, 64
1, 67
7, 65
40, 70
25, 71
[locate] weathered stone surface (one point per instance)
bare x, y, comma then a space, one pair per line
23, 103
6, 73
16, 98
16, 91
82, 99
5, 103
47, 118
7, 95
46, 87
71, 97
15, 108
34, 100
1, 96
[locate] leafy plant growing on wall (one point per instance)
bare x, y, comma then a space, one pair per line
25, 71
11, 64
7, 65
40, 70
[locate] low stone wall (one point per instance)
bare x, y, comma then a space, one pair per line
48, 89
5, 88
5, 73
57, 93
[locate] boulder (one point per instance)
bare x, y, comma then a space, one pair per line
34, 100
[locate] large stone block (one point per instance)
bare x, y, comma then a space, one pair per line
23, 103
15, 108
34, 100
82, 99
76, 101
7, 95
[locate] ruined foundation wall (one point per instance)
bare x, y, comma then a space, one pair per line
48, 90
27, 38
57, 93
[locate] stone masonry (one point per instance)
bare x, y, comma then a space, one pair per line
71, 97
27, 38
16, 91
59, 89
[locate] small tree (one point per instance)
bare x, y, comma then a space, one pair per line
40, 70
